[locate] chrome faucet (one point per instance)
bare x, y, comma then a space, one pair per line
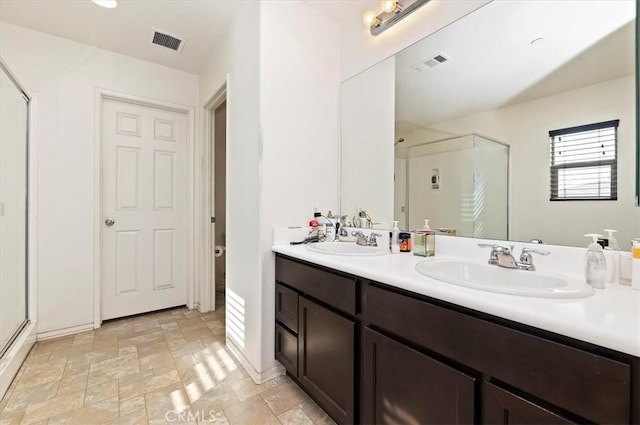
502, 256
361, 238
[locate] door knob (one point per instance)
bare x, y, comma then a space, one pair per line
109, 222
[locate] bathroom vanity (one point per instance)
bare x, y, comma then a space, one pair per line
372, 347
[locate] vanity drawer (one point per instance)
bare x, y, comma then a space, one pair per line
336, 290
591, 386
287, 349
287, 307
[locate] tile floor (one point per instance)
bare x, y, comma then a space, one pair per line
170, 367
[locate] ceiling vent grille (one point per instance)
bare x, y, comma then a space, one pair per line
164, 39
435, 60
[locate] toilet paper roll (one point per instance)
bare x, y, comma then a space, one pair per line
219, 250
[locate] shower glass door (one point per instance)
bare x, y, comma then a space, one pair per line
14, 115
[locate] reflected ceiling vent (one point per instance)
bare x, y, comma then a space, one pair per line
164, 39
433, 61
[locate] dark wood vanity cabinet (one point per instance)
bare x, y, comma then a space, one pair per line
374, 354
404, 386
316, 334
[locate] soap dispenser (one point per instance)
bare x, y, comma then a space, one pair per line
595, 267
612, 257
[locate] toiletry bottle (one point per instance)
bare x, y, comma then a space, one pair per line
424, 241
612, 257
431, 239
595, 268
405, 242
330, 226
395, 238
635, 264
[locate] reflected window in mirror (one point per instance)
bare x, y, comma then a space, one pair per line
584, 162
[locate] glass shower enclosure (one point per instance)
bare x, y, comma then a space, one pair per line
460, 184
14, 120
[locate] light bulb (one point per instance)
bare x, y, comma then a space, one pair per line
369, 18
389, 5
109, 4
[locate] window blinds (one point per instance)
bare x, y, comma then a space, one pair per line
584, 162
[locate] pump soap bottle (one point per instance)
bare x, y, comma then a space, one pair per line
424, 241
595, 267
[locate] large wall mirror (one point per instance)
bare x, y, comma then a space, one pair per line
506, 124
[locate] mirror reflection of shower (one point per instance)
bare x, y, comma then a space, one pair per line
400, 140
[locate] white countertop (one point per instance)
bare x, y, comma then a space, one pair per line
610, 318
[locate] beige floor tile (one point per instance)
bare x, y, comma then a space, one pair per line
250, 412
312, 410
84, 338
115, 368
144, 386
11, 418
294, 416
82, 361
73, 381
99, 392
157, 360
138, 417
53, 407
21, 399
283, 397
132, 405
154, 347
246, 388
166, 402
180, 348
325, 420
38, 374
54, 343
95, 413
37, 358
214, 400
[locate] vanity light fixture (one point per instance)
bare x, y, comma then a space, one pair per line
109, 4
392, 12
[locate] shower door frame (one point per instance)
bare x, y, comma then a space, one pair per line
21, 342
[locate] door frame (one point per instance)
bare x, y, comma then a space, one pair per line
100, 95
207, 289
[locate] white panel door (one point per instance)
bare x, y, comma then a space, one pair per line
143, 209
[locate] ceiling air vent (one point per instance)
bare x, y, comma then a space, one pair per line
164, 39
435, 60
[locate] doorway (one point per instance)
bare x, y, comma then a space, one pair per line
218, 197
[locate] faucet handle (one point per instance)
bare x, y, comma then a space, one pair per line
526, 260
373, 241
526, 250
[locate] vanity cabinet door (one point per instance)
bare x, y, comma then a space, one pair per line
404, 386
505, 408
326, 359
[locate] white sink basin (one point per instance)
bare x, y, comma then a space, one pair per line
507, 281
346, 248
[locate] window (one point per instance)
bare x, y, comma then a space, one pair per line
584, 162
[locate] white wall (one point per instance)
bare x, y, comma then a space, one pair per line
360, 50
525, 126
237, 57
299, 114
65, 74
282, 63
368, 114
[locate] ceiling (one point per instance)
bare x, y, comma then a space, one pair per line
494, 64
126, 29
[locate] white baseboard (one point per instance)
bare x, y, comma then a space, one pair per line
258, 377
65, 331
14, 357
